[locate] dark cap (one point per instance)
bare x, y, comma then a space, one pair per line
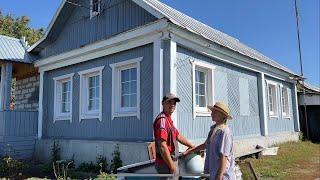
170, 96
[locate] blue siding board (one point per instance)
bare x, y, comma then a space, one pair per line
79, 30
281, 124
120, 128
226, 88
18, 133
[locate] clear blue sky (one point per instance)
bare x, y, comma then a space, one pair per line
265, 25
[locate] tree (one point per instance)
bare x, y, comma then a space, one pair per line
18, 27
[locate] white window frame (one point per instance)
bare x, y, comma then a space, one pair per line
116, 110
57, 114
85, 113
95, 13
285, 114
203, 111
275, 112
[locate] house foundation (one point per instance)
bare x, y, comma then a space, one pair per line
133, 152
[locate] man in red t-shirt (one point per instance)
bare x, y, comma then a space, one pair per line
166, 136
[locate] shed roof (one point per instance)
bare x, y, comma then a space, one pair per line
309, 87
12, 49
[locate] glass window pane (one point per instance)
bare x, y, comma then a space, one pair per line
125, 88
202, 101
197, 76
91, 82
90, 104
197, 88
97, 80
64, 87
202, 77
133, 87
202, 89
125, 101
91, 93
124, 75
68, 96
65, 107
97, 93
64, 97
133, 100
197, 100
93, 104
134, 74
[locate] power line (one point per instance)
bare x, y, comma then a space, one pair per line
301, 68
79, 5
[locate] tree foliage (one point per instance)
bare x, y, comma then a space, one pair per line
18, 27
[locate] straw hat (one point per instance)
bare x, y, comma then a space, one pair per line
221, 107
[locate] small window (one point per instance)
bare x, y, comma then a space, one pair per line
129, 88
91, 93
272, 99
63, 97
202, 87
66, 97
95, 8
285, 102
126, 88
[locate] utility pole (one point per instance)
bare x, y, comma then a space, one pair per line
301, 68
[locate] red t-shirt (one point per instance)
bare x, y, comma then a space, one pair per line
162, 127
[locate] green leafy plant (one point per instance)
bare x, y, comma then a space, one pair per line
60, 168
55, 156
106, 176
89, 167
55, 151
19, 27
102, 162
11, 167
116, 161
302, 137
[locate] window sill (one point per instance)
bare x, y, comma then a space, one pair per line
273, 116
203, 113
90, 116
62, 118
286, 117
125, 114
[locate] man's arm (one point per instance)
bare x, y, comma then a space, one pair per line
166, 156
184, 141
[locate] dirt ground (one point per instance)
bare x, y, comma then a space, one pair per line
306, 169
295, 160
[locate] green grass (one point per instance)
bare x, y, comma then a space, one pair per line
291, 156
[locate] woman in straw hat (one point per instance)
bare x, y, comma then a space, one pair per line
219, 162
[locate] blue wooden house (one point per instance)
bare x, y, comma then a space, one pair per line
105, 64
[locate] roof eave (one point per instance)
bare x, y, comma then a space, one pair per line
49, 27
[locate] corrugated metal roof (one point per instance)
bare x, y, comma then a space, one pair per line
210, 33
12, 49
311, 87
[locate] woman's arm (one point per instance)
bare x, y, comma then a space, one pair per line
194, 149
222, 167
